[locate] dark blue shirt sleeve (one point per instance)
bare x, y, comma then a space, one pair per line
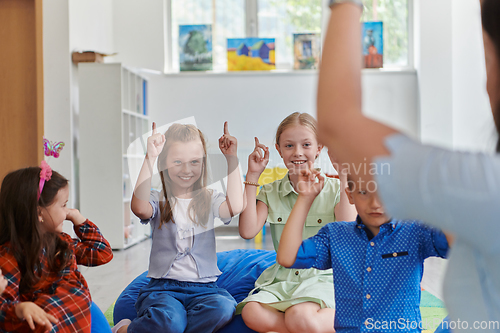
314, 252
433, 242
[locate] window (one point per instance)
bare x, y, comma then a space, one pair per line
227, 18
280, 19
394, 14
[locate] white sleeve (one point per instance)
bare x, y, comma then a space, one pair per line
217, 199
454, 191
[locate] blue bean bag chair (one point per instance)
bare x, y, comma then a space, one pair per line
240, 269
99, 323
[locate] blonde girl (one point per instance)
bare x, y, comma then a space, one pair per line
287, 300
182, 295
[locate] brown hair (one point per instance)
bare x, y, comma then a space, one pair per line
490, 14
19, 224
296, 118
199, 207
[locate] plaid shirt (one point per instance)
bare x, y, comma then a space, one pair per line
63, 294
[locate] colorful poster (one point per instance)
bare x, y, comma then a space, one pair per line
250, 54
306, 50
195, 47
373, 44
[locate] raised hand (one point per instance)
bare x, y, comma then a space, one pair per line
258, 159
307, 185
155, 143
3, 282
32, 313
227, 143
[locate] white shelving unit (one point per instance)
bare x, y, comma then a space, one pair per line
113, 118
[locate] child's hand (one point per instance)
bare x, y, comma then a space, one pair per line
307, 185
3, 282
227, 143
155, 143
32, 313
75, 216
257, 161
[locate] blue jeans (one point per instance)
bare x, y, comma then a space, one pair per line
173, 306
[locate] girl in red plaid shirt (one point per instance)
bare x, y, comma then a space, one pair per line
45, 290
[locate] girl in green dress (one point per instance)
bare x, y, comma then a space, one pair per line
290, 300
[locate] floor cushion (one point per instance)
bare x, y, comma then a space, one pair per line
240, 268
99, 323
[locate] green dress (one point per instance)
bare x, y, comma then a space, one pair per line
280, 287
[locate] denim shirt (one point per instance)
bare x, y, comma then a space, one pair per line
460, 193
164, 251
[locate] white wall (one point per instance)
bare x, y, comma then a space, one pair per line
255, 103
56, 80
91, 25
473, 127
139, 37
433, 61
454, 107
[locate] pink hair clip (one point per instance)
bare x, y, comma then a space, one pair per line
45, 174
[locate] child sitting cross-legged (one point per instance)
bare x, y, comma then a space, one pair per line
377, 261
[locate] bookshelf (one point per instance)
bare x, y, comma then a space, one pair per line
113, 119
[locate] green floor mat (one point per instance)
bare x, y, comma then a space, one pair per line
109, 314
432, 317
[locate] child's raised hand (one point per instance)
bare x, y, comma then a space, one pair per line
32, 313
307, 185
155, 143
75, 216
258, 159
3, 282
227, 143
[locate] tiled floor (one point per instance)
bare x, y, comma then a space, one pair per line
106, 282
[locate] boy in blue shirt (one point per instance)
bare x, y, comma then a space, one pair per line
377, 262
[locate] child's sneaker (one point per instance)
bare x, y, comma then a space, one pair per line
120, 324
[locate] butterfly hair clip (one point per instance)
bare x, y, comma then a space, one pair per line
52, 149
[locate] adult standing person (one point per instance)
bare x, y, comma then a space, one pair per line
458, 192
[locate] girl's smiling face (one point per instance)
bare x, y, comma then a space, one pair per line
54, 215
184, 166
298, 145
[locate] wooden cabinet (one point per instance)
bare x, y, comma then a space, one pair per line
21, 84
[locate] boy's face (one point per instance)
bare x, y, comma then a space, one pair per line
369, 207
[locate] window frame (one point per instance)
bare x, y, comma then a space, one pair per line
252, 28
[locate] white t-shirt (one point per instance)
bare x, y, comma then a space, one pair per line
184, 267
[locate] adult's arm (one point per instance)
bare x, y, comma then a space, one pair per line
455, 191
352, 137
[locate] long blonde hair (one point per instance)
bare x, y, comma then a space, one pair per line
199, 207
297, 118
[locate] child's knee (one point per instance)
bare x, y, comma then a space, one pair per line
225, 307
158, 320
251, 312
298, 319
